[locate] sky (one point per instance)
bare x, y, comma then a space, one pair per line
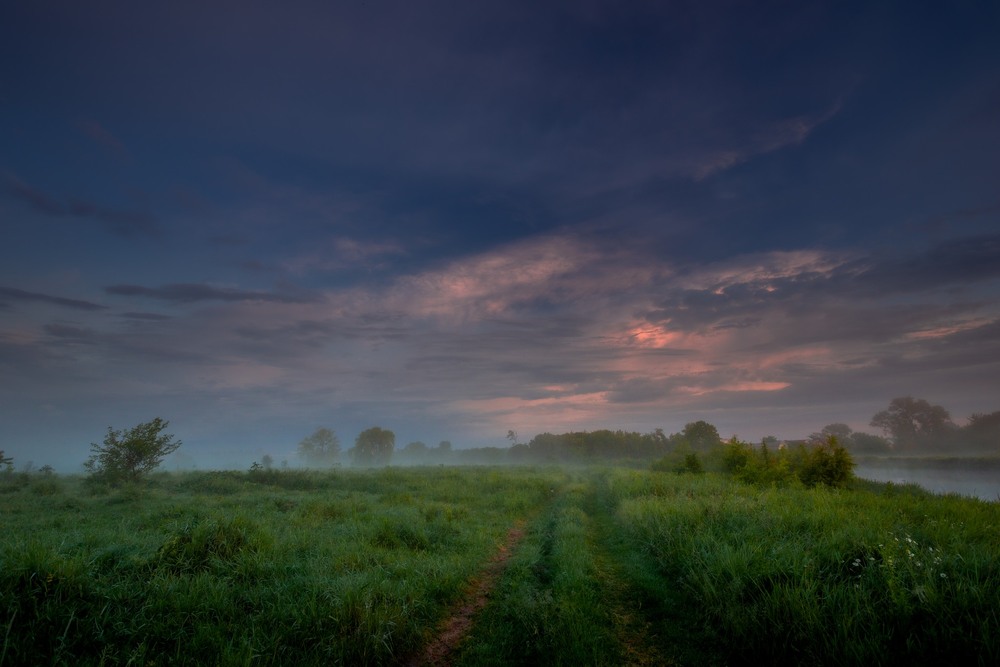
455, 219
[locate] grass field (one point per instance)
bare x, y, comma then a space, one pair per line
609, 566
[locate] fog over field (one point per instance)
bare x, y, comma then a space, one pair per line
458, 220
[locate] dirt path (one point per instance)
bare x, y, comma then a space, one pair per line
458, 623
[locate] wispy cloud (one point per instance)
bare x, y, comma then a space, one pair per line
38, 200
770, 137
197, 292
537, 276
343, 253
124, 223
15, 294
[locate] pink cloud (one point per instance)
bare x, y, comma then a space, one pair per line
762, 267
557, 268
947, 330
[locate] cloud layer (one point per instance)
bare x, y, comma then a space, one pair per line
555, 332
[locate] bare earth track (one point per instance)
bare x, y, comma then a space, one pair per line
458, 623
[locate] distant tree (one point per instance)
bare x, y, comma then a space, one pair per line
267, 461
127, 455
701, 435
840, 431
512, 436
770, 441
547, 447
415, 451
911, 421
866, 443
374, 446
444, 447
6, 461
519, 453
983, 431
321, 448
47, 470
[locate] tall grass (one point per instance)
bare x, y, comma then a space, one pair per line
233, 568
819, 576
360, 567
548, 608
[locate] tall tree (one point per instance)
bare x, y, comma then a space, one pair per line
321, 448
374, 446
913, 421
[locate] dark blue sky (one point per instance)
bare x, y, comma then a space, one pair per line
455, 219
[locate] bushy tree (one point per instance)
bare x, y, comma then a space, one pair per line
911, 421
701, 435
127, 455
321, 448
374, 446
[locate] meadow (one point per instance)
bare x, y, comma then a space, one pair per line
601, 566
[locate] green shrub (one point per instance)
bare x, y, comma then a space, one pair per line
736, 455
681, 460
828, 464
46, 486
693, 464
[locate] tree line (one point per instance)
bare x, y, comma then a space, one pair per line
912, 426
372, 447
909, 426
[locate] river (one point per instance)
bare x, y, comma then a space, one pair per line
971, 477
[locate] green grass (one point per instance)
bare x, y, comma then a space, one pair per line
617, 566
817, 576
548, 607
217, 568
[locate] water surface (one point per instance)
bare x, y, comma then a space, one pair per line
974, 478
